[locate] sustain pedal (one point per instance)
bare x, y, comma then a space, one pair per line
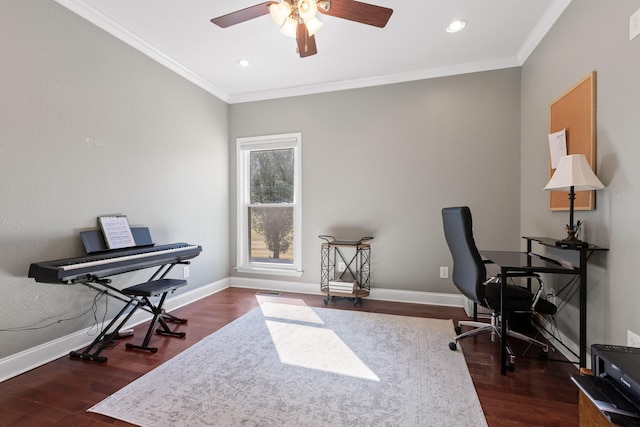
124, 334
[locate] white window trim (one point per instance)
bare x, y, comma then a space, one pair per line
270, 142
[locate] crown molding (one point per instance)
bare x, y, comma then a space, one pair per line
542, 28
95, 17
377, 81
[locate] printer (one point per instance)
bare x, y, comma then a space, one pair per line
621, 364
614, 386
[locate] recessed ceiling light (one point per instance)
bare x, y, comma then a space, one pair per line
456, 26
243, 63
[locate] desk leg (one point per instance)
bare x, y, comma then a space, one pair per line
529, 263
583, 307
503, 323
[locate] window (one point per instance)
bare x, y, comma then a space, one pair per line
269, 209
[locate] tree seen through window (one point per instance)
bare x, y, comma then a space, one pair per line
270, 209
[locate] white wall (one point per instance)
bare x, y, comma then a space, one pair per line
384, 161
89, 126
591, 35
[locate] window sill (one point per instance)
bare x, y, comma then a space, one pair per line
269, 271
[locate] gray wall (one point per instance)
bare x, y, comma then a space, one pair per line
384, 161
591, 35
90, 126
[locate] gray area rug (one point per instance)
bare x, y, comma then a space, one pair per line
286, 364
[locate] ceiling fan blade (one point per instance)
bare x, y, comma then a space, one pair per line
306, 43
363, 13
242, 15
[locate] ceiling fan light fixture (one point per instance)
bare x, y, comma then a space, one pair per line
290, 27
279, 12
307, 9
298, 18
456, 26
324, 5
313, 25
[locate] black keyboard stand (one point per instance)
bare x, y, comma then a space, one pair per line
106, 338
136, 297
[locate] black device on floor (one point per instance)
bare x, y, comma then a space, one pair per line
614, 387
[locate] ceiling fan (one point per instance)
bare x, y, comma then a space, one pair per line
297, 18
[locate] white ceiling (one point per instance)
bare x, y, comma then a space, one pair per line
414, 44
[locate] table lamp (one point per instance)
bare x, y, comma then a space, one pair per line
573, 174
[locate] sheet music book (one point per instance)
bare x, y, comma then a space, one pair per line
116, 230
94, 241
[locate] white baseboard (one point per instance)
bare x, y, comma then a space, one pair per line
395, 295
26, 360
31, 358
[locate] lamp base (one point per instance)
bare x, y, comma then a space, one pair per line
571, 242
565, 244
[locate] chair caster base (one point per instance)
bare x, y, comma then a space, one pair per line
453, 346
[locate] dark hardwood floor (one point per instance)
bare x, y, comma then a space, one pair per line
538, 393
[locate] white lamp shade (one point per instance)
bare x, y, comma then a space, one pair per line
313, 25
279, 12
290, 27
324, 5
574, 171
307, 9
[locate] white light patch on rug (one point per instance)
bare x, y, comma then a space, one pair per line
316, 348
297, 313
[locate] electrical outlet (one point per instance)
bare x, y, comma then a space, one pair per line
633, 340
341, 267
444, 272
185, 272
634, 25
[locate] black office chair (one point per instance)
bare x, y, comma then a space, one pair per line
470, 277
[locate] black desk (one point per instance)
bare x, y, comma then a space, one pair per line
584, 253
513, 264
